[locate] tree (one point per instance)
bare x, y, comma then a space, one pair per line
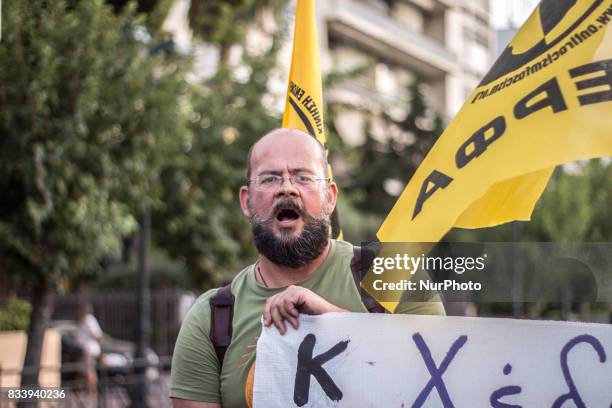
379, 168
599, 173
224, 23
88, 119
154, 12
574, 208
201, 221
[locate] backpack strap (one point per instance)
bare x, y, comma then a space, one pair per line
359, 270
222, 307
222, 314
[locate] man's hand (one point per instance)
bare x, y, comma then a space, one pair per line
294, 300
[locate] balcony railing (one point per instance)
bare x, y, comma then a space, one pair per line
384, 35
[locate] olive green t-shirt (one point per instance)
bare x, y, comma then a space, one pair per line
195, 367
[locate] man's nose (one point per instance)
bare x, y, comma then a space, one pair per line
287, 188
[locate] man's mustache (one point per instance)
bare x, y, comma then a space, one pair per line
287, 204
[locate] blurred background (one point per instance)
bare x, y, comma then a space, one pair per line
124, 132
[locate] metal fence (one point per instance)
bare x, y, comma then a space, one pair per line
116, 313
115, 387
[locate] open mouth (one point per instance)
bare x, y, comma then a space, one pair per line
287, 215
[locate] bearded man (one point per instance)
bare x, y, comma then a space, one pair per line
288, 199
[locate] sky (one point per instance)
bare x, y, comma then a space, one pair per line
510, 13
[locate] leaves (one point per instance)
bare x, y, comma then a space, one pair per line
89, 119
575, 207
15, 315
380, 167
201, 220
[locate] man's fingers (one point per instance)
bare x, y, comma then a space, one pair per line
295, 323
267, 314
287, 310
277, 319
290, 305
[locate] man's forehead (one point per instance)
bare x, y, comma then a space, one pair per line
286, 148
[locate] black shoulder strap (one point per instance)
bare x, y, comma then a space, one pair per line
222, 314
358, 270
222, 307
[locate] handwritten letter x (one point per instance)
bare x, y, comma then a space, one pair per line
436, 372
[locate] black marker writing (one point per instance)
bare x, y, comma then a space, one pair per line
307, 366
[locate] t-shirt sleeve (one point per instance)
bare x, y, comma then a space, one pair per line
195, 367
93, 326
432, 307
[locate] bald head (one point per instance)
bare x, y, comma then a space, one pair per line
291, 144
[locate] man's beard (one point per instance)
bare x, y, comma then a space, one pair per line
287, 250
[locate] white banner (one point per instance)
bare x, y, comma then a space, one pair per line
363, 360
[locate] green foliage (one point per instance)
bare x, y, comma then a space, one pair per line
164, 273
574, 207
88, 119
15, 315
380, 161
154, 11
565, 212
225, 22
201, 221
214, 21
599, 173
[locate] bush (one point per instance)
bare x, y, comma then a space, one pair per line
15, 315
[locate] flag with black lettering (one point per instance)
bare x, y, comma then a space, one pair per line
304, 103
547, 100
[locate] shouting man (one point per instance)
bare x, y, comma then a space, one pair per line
288, 199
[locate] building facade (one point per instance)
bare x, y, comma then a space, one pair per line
448, 44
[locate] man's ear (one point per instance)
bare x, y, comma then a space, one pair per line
332, 196
244, 201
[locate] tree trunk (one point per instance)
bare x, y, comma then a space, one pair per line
518, 311
42, 308
224, 55
534, 310
584, 311
139, 397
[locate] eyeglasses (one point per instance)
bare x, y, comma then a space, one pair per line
270, 182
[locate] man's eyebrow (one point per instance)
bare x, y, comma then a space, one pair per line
272, 172
292, 171
301, 170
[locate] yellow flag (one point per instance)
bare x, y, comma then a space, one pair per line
304, 104
546, 101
